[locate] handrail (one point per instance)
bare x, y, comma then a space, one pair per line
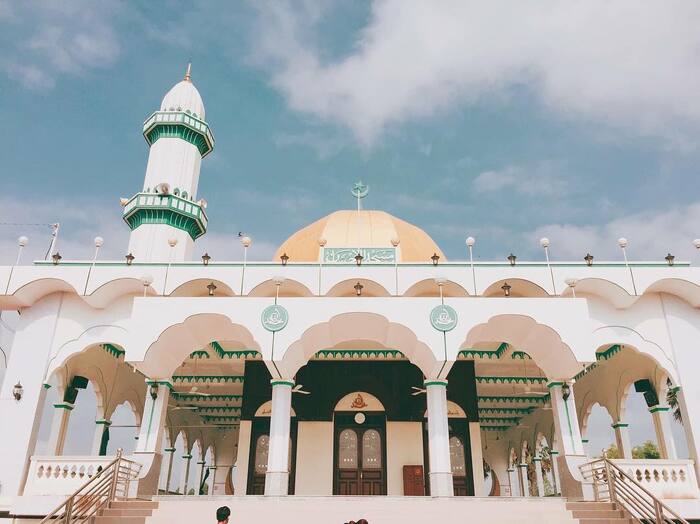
612, 484
108, 484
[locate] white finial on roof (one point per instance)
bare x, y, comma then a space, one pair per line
188, 74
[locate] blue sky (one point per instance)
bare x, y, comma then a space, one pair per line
502, 120
507, 124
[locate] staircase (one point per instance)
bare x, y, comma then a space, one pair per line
598, 513
126, 512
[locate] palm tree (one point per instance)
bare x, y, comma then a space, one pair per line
672, 400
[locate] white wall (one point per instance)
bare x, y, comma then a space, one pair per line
314, 466
404, 447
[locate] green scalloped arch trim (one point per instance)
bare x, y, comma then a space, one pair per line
520, 355
208, 398
510, 380
511, 399
505, 411
113, 350
359, 354
209, 379
483, 353
252, 354
609, 353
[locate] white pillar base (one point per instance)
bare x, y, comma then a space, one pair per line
441, 484
277, 483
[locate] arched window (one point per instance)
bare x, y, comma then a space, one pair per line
347, 449
457, 457
262, 447
371, 450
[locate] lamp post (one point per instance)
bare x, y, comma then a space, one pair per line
622, 242
21, 243
56, 257
99, 241
18, 391
395, 242
172, 242
146, 281
321, 254
246, 241
571, 282
470, 245
544, 242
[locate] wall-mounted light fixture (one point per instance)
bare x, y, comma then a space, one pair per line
56, 257
205, 259
589, 259
153, 390
129, 259
284, 258
358, 259
565, 391
18, 391
358, 289
211, 287
435, 259
669, 258
506, 287
512, 258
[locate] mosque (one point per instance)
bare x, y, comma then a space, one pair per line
358, 362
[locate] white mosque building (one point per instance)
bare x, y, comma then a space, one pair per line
359, 361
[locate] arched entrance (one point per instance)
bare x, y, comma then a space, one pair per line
359, 454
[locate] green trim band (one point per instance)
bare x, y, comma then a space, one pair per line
170, 450
539, 399
359, 354
555, 384
281, 382
435, 383
619, 425
179, 124
657, 409
208, 379
190, 397
113, 350
171, 210
483, 353
187, 457
505, 411
219, 410
609, 353
46, 386
161, 382
238, 354
537, 459
201, 462
64, 405
510, 380
520, 355
554, 452
584, 440
104, 422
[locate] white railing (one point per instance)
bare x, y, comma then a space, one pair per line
666, 479
613, 484
62, 475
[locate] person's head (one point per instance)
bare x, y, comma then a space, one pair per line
222, 514
362, 521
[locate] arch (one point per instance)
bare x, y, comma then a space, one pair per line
288, 288
539, 341
428, 288
198, 288
618, 296
346, 288
519, 288
684, 289
343, 327
112, 290
27, 294
176, 342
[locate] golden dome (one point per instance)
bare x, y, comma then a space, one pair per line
360, 229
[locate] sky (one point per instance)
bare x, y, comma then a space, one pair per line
502, 120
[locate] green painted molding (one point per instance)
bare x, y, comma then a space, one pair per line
510, 380
520, 355
46, 386
160, 382
555, 384
675, 389
201, 462
219, 410
609, 353
513, 399
619, 425
187, 457
359, 354
483, 353
220, 419
505, 411
170, 450
113, 350
552, 452
584, 440
103, 422
656, 409
190, 397
497, 420
208, 379
536, 459
200, 353
239, 354
64, 405
171, 210
281, 382
442, 383
495, 428
179, 124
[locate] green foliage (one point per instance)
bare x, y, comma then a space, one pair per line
612, 452
648, 450
672, 400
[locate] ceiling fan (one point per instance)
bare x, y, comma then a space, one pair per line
193, 391
299, 388
417, 391
187, 408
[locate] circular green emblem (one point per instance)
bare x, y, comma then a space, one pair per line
274, 318
443, 318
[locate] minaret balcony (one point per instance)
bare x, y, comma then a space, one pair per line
171, 210
179, 124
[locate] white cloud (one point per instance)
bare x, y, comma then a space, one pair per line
620, 63
542, 180
651, 235
50, 38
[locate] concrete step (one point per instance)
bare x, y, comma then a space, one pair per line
134, 504
120, 520
604, 521
573, 506
598, 513
127, 512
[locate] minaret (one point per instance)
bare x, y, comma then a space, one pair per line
167, 206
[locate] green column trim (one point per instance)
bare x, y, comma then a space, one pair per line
187, 457
46, 386
554, 453
537, 459
201, 462
555, 384
619, 425
656, 409
435, 383
64, 405
584, 440
281, 382
160, 382
103, 422
170, 450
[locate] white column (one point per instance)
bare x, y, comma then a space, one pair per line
555, 471
185, 473
440, 474
154, 413
477, 459
59, 428
31, 349
169, 474
277, 476
100, 426
661, 415
538, 475
622, 439
524, 481
211, 480
513, 481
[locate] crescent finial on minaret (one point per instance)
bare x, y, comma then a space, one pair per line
188, 74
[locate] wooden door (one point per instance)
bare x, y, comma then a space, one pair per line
259, 449
460, 457
413, 484
360, 457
